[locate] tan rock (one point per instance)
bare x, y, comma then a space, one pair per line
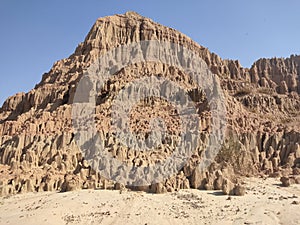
286, 182
239, 190
37, 139
228, 187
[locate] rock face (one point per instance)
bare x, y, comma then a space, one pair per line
280, 73
37, 147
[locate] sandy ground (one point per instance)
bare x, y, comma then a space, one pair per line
266, 202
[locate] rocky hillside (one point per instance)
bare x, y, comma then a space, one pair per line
38, 151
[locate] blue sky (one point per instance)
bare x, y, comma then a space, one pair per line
35, 33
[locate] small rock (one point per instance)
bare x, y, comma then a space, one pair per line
227, 187
297, 179
285, 181
239, 190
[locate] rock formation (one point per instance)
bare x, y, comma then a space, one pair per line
37, 147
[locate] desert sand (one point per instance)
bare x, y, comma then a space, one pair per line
265, 202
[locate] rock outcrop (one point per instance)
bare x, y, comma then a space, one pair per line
38, 151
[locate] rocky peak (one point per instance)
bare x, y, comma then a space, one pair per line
37, 147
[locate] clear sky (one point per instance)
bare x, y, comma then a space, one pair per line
35, 33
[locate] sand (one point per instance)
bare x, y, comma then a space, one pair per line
266, 202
